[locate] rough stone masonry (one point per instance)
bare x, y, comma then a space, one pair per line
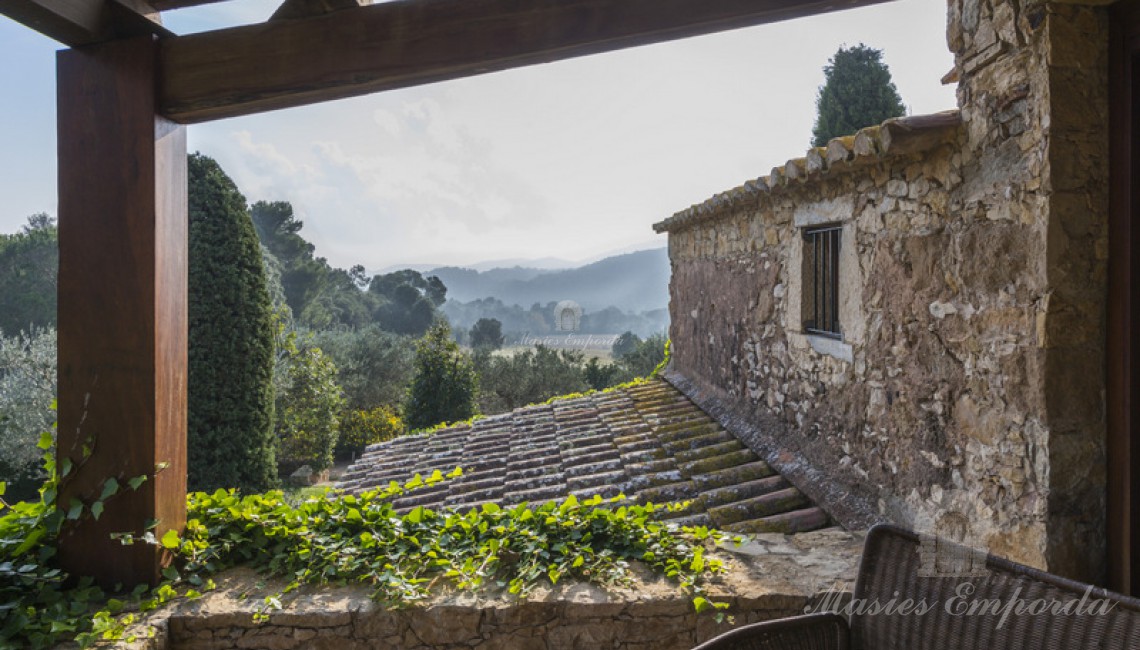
966, 395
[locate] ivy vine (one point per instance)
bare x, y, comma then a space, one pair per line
332, 538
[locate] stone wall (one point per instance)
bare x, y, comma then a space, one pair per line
772, 576
966, 397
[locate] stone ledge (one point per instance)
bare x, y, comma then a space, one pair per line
771, 576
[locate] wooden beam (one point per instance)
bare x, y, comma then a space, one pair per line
85, 22
167, 5
122, 307
293, 9
258, 68
1122, 352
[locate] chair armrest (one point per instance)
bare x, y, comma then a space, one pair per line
809, 632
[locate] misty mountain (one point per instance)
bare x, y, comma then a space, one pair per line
633, 282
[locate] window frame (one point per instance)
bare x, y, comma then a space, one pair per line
821, 262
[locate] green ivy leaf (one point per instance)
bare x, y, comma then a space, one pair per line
110, 488
415, 516
170, 539
135, 482
45, 441
97, 509
75, 508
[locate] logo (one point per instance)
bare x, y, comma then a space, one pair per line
567, 316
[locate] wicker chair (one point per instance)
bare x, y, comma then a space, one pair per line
946, 581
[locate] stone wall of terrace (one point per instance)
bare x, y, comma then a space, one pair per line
772, 576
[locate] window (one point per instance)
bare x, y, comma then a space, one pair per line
821, 280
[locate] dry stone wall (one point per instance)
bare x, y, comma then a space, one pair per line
967, 395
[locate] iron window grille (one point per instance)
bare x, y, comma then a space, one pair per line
821, 280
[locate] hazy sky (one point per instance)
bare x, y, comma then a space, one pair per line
571, 159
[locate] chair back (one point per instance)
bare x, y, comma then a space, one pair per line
924, 593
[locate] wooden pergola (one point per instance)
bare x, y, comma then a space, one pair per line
125, 90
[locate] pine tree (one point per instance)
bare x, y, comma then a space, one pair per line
230, 439
857, 92
444, 386
487, 333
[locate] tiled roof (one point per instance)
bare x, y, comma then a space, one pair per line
895, 137
649, 442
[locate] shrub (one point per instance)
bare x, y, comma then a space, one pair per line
358, 429
528, 377
230, 436
625, 344
645, 356
603, 375
27, 395
374, 367
308, 408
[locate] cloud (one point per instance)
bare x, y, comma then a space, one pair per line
564, 159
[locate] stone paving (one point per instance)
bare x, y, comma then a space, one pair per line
648, 442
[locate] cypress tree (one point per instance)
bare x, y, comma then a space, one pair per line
231, 439
857, 92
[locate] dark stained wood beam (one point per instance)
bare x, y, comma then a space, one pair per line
166, 5
85, 22
122, 308
258, 68
293, 9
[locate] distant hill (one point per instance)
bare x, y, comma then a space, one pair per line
537, 264
633, 282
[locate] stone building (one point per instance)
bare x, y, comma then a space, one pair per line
910, 323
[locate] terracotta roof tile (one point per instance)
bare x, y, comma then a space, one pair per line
649, 442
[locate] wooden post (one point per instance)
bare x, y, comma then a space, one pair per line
122, 307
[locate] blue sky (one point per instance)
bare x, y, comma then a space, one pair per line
573, 159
